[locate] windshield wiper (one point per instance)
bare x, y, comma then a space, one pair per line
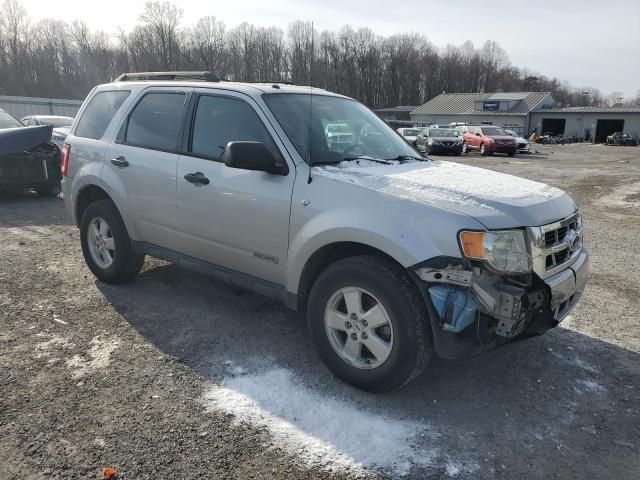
407, 157
377, 160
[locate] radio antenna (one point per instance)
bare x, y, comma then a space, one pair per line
309, 178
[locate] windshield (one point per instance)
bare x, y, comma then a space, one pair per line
306, 120
7, 121
56, 122
494, 132
410, 133
442, 133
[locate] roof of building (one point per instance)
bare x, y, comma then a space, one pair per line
399, 108
464, 103
592, 110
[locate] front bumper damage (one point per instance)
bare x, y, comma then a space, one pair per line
474, 310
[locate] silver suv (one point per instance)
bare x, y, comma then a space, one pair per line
390, 255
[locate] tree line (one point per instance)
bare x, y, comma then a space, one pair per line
53, 58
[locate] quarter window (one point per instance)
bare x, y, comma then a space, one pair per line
155, 121
220, 120
98, 114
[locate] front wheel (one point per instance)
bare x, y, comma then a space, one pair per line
106, 245
369, 323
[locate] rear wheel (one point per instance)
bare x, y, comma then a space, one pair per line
483, 150
465, 148
369, 323
106, 245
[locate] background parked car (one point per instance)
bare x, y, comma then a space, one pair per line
27, 158
439, 141
487, 139
338, 134
621, 139
523, 143
409, 134
61, 125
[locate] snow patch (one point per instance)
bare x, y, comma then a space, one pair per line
591, 386
439, 181
321, 431
99, 357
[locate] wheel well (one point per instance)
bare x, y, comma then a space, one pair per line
326, 256
87, 196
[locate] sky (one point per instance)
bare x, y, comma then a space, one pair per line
585, 42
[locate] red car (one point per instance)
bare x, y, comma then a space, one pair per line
488, 140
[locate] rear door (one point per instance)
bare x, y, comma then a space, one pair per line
142, 163
238, 219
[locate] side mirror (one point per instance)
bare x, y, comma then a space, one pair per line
256, 156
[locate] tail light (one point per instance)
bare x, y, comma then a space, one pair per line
64, 159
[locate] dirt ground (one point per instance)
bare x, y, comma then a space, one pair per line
96, 376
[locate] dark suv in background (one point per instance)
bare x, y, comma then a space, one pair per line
487, 139
433, 140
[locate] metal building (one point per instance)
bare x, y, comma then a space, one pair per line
525, 112
22, 106
592, 123
507, 109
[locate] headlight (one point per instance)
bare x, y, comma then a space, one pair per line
430, 141
505, 250
491, 140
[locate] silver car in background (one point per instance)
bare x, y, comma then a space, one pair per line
61, 125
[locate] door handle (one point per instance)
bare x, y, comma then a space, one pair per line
120, 162
197, 178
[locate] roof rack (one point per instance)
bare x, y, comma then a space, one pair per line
197, 76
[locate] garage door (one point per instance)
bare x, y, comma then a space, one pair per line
604, 128
553, 126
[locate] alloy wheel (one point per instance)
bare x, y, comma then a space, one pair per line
358, 327
101, 243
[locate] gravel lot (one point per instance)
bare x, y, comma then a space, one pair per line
145, 378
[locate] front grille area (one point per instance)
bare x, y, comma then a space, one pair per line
522, 145
556, 242
555, 236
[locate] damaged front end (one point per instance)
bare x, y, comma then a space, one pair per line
475, 308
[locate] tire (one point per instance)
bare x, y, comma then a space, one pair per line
465, 148
49, 191
483, 151
512, 154
380, 281
125, 264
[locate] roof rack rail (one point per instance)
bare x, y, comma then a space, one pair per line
197, 76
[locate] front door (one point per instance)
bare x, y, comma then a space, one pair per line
143, 159
238, 219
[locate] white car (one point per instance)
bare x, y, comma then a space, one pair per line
523, 143
409, 134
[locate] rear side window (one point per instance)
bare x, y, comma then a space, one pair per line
220, 120
155, 121
98, 114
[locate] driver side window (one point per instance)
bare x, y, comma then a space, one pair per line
220, 120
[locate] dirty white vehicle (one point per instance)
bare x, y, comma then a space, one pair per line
523, 143
391, 256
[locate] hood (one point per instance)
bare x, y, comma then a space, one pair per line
497, 200
445, 139
500, 137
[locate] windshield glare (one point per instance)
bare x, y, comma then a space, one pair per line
309, 120
7, 121
494, 132
442, 133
